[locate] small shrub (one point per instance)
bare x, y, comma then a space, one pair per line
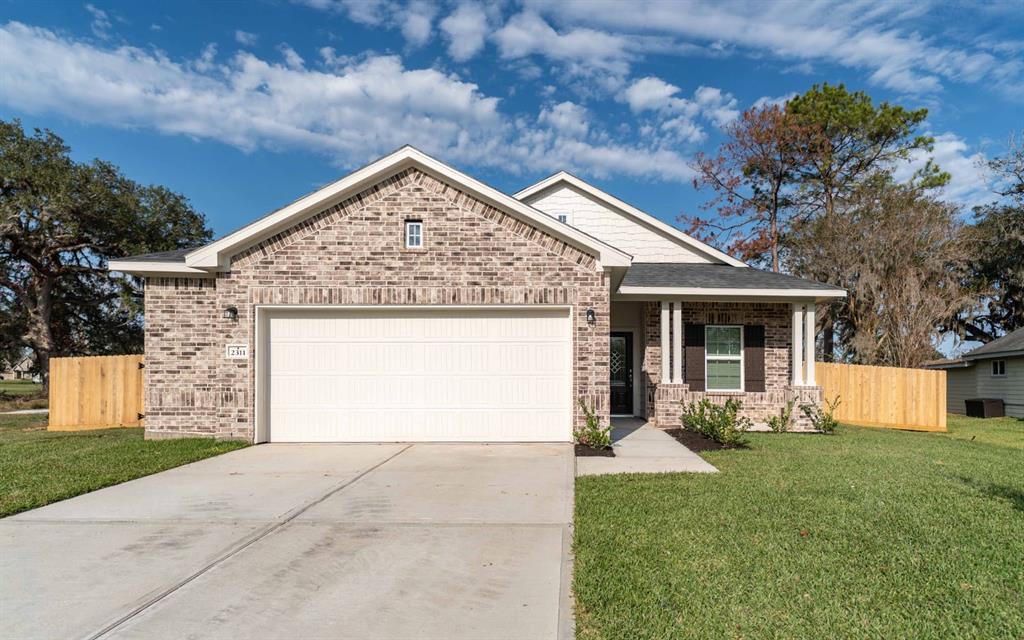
721, 423
592, 434
782, 422
822, 420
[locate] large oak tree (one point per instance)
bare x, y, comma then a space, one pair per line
60, 221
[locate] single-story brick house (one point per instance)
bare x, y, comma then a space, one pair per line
410, 302
994, 371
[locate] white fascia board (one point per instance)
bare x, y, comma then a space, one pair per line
156, 268
630, 210
216, 255
723, 292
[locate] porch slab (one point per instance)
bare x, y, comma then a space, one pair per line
641, 448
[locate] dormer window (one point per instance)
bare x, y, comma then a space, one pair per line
413, 234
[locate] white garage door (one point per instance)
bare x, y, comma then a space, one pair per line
419, 375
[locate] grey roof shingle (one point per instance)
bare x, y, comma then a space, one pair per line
177, 255
1011, 343
714, 276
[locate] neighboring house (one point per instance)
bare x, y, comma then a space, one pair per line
410, 302
18, 370
995, 370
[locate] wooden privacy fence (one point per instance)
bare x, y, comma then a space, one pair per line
95, 392
888, 397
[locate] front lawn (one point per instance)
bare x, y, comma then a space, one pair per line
21, 394
868, 533
38, 467
20, 387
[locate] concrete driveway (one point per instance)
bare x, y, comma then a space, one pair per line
304, 541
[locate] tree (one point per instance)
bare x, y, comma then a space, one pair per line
60, 221
997, 253
752, 178
902, 258
852, 141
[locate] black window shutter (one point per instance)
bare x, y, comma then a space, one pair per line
753, 357
693, 338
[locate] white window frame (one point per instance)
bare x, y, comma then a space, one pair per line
994, 367
410, 225
563, 218
708, 357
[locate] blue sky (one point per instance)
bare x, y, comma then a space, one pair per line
244, 107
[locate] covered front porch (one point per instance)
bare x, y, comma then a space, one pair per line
680, 333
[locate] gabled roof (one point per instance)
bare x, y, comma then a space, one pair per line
1012, 344
694, 279
216, 255
564, 177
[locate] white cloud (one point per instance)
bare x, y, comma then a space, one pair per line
861, 34
566, 117
581, 50
291, 58
716, 106
246, 38
652, 94
969, 184
465, 30
676, 114
776, 101
100, 24
414, 19
351, 109
417, 21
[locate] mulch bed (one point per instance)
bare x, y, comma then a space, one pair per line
584, 451
696, 442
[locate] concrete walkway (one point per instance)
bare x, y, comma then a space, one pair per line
641, 448
366, 541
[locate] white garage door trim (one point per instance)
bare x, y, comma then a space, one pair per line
264, 313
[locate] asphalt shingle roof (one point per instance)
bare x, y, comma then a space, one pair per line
177, 255
713, 276
1010, 343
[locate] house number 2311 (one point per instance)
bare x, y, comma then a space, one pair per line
237, 351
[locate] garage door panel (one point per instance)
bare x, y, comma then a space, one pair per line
420, 375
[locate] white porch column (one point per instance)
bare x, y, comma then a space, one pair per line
665, 365
677, 342
809, 332
798, 344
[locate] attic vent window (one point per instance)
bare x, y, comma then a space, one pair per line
563, 217
414, 234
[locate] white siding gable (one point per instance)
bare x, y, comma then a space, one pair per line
626, 233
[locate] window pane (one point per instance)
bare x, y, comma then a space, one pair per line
724, 374
723, 341
412, 234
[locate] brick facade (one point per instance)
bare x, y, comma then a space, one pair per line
353, 253
664, 400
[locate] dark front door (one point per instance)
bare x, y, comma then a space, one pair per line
621, 367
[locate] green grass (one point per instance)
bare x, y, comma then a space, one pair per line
21, 394
869, 533
38, 467
20, 387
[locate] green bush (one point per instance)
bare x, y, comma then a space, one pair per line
822, 419
592, 434
721, 423
782, 422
